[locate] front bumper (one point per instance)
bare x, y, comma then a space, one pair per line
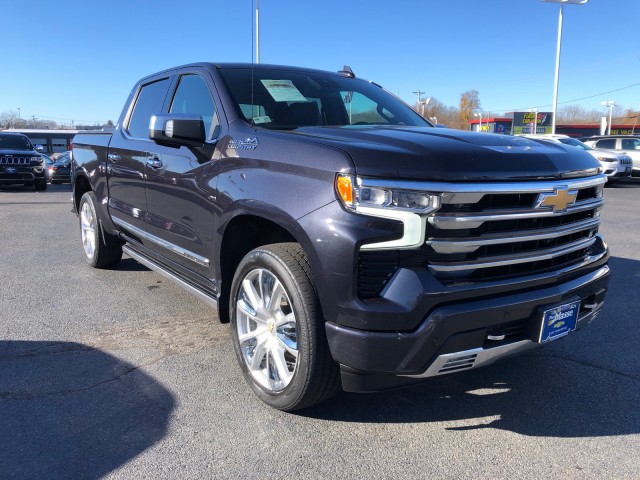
20, 174
457, 337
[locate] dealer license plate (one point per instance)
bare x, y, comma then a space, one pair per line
559, 321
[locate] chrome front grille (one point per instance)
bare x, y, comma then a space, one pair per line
489, 232
14, 160
465, 242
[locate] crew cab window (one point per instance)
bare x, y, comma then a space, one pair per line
193, 96
606, 143
630, 144
148, 103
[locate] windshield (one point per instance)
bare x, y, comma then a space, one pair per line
288, 99
575, 143
15, 142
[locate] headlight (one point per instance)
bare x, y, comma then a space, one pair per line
356, 194
38, 160
606, 159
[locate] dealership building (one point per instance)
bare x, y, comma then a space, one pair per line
518, 123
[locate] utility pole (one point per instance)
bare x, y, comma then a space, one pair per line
419, 93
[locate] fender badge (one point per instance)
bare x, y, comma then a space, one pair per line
248, 144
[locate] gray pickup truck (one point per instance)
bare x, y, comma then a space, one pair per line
349, 243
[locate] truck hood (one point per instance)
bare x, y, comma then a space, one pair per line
443, 154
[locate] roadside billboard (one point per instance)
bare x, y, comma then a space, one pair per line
523, 122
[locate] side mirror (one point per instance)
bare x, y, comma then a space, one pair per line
39, 148
176, 130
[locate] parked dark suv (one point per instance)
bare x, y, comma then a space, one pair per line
20, 163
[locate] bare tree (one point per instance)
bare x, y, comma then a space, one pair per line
8, 119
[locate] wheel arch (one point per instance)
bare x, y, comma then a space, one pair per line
242, 234
80, 187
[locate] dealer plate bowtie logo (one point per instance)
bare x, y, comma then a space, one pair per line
559, 200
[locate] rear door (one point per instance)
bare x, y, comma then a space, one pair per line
127, 159
181, 184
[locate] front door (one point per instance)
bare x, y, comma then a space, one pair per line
181, 187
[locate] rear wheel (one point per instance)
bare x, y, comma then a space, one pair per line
101, 249
278, 329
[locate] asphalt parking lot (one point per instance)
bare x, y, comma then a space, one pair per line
121, 374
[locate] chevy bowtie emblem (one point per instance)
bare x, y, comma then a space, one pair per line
560, 199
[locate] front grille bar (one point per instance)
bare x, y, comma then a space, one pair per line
452, 221
489, 262
468, 246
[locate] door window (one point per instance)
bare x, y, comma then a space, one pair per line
148, 103
193, 96
606, 143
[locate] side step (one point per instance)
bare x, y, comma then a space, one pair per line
147, 262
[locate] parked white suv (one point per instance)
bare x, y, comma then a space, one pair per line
621, 144
616, 165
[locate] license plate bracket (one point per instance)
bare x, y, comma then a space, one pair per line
558, 321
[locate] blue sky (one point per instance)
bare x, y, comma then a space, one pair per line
78, 60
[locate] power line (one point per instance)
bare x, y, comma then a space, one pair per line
567, 101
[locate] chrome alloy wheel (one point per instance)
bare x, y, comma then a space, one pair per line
267, 330
88, 229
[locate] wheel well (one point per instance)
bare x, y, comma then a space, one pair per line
81, 187
242, 235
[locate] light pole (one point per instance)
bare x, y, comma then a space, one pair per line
557, 76
534, 130
257, 31
610, 104
423, 105
478, 113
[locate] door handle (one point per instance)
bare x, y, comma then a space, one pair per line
114, 157
154, 162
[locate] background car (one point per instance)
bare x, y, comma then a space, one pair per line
625, 144
48, 163
615, 165
61, 169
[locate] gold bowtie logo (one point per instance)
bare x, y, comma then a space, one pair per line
559, 200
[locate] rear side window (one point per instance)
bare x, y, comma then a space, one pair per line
193, 96
148, 103
606, 143
630, 144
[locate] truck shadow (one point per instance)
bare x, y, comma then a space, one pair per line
71, 411
587, 384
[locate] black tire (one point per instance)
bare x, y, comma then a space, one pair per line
314, 377
40, 185
101, 250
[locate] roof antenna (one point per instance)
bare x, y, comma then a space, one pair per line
347, 72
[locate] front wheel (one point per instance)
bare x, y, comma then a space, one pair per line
101, 250
278, 329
